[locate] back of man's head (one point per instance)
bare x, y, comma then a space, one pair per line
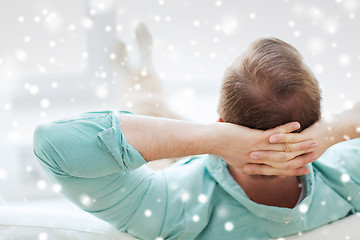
269, 85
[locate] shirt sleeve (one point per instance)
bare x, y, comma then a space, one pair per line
89, 145
88, 156
339, 166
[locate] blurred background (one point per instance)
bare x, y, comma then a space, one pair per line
58, 58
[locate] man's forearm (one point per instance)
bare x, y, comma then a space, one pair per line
350, 122
157, 138
344, 126
336, 128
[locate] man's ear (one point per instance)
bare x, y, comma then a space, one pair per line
220, 119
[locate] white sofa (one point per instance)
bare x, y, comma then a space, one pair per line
60, 220
53, 220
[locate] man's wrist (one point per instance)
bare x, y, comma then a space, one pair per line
210, 142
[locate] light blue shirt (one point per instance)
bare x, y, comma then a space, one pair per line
195, 198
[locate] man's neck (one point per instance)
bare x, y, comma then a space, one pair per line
272, 191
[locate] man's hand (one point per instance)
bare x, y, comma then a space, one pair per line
326, 132
251, 149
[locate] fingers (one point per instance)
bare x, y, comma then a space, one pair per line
253, 169
285, 128
293, 167
291, 147
287, 138
295, 163
283, 152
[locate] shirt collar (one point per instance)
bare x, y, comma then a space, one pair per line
219, 171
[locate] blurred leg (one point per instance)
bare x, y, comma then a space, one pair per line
144, 92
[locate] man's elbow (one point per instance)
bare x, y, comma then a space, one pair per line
40, 143
44, 142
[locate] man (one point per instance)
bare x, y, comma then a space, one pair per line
98, 159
